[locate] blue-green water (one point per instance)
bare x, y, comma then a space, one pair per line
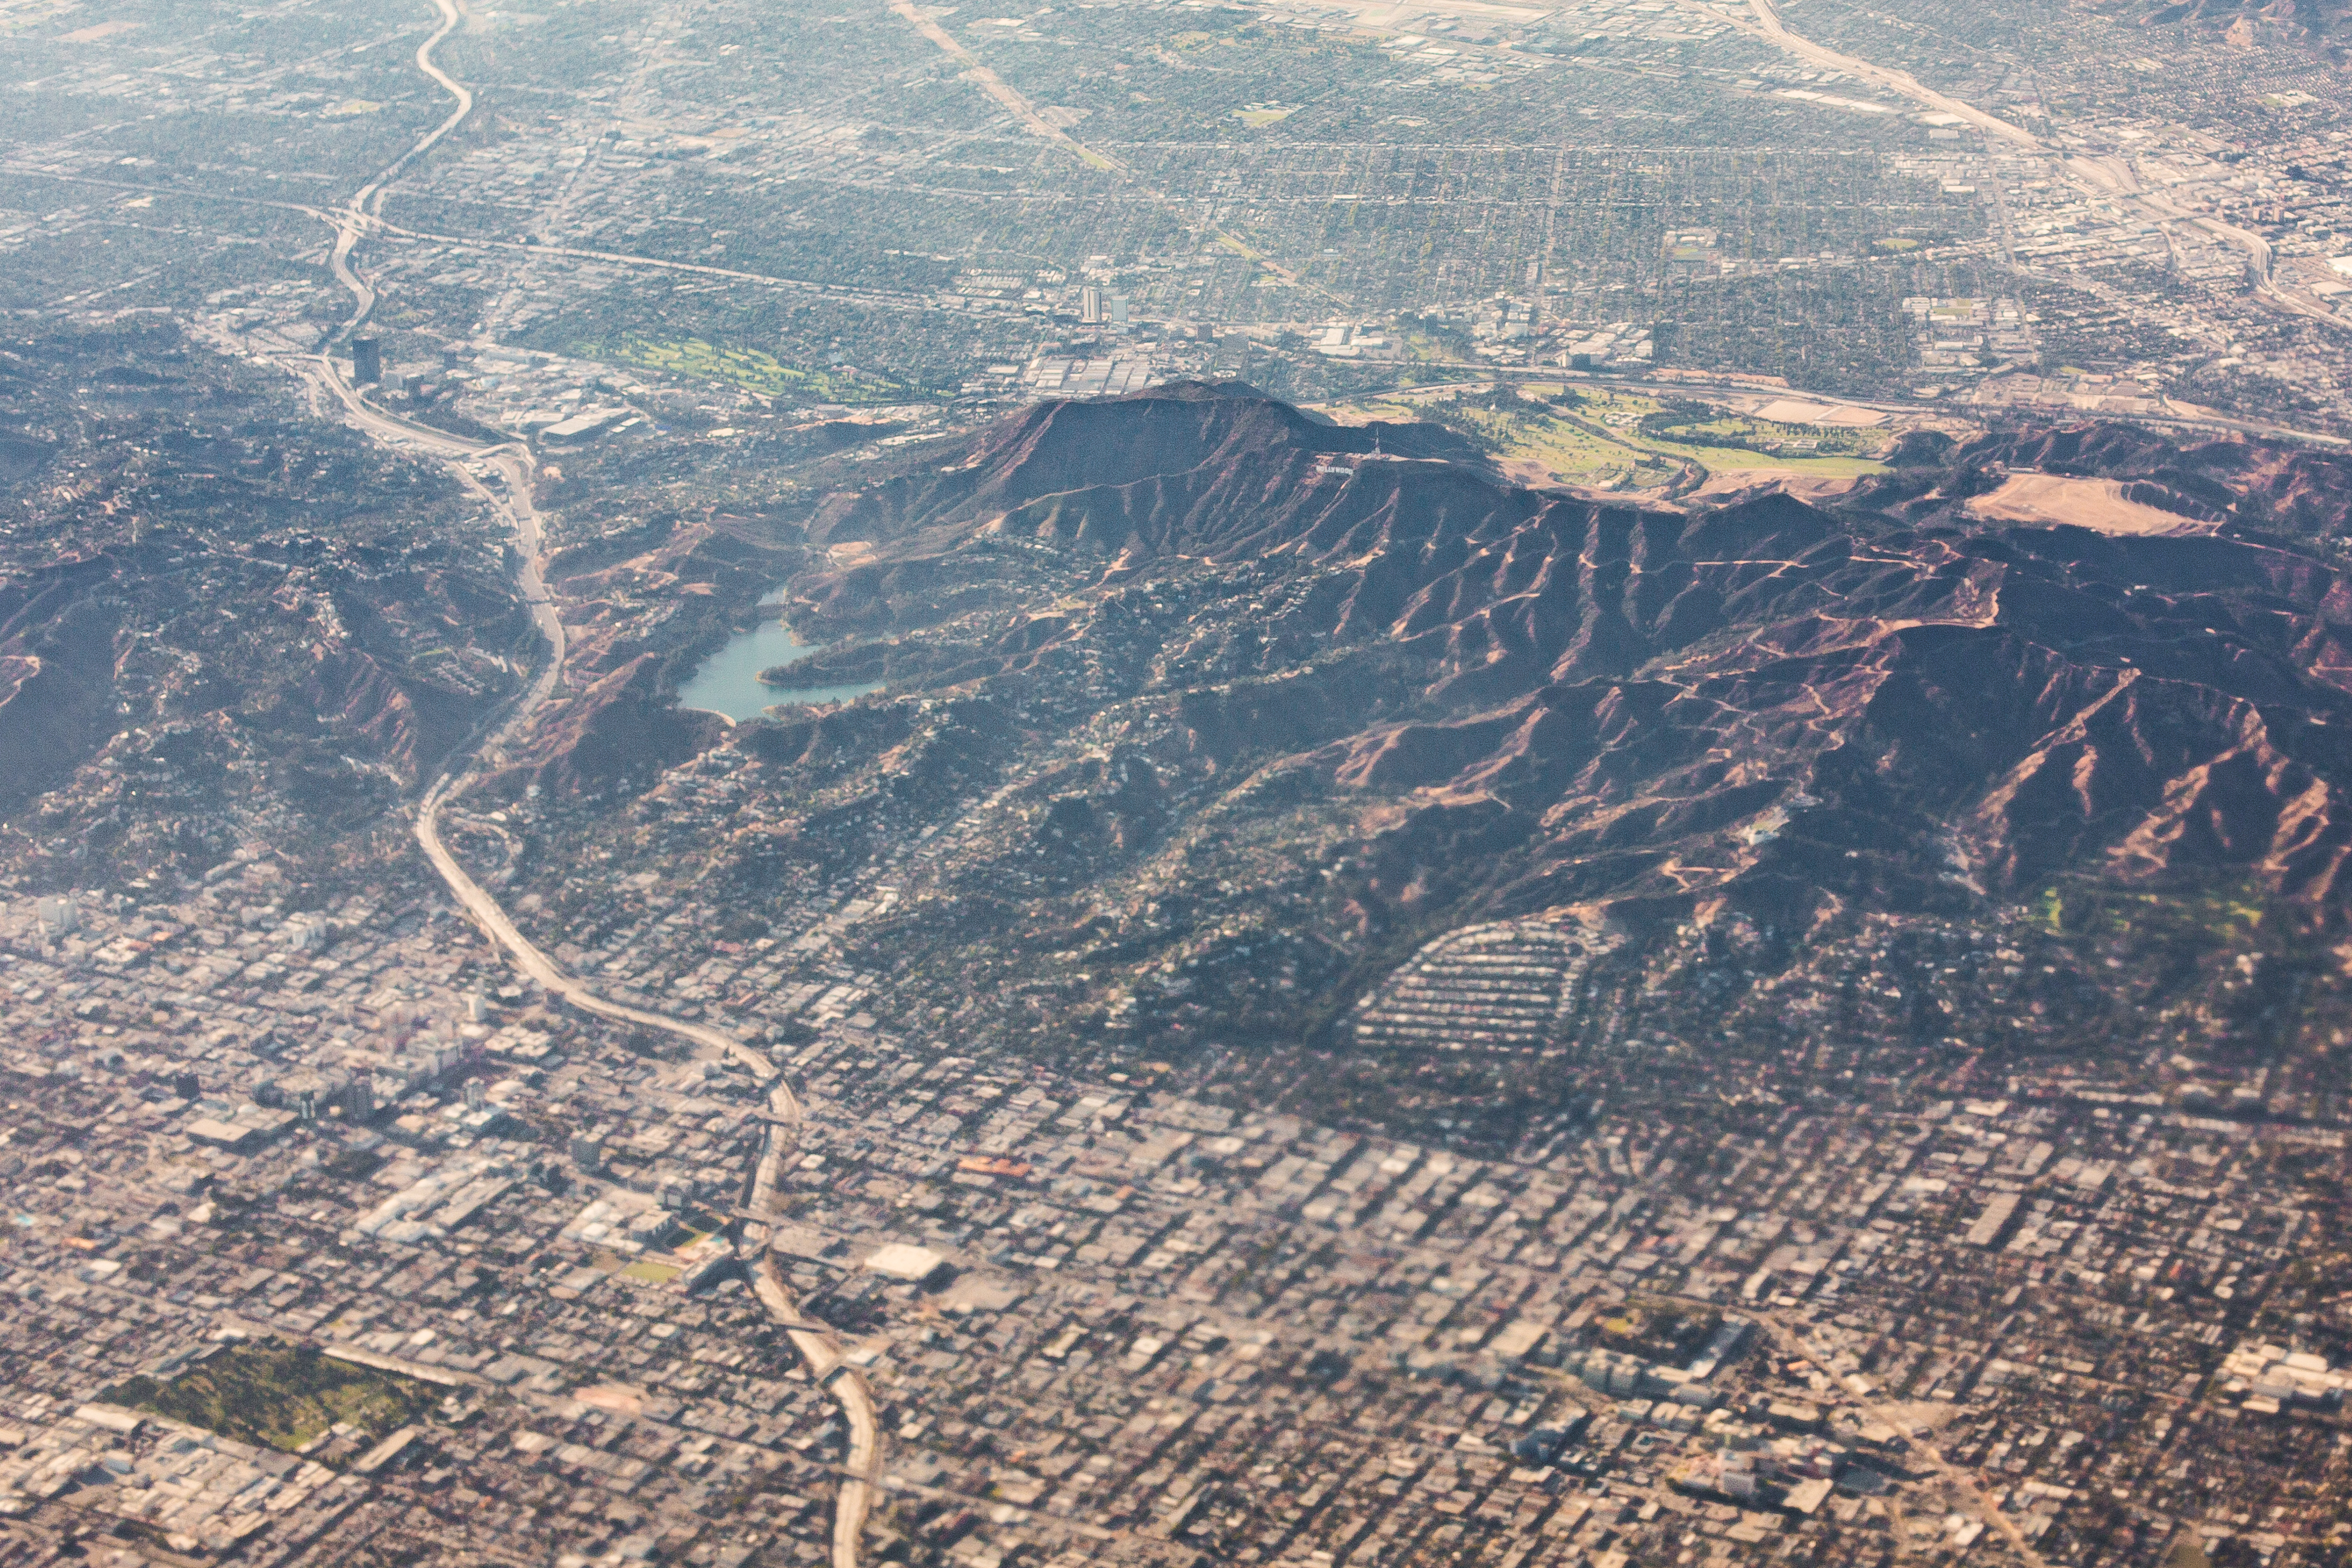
729, 681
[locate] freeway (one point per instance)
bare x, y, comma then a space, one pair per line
861, 1473
352, 222
2109, 177
976, 71
995, 87
1768, 26
362, 225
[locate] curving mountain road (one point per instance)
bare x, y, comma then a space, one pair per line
861, 1473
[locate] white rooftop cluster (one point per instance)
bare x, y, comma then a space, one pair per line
437, 1202
2271, 1377
626, 1222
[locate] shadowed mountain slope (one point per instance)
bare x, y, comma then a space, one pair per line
1569, 700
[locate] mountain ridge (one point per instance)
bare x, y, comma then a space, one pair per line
1643, 702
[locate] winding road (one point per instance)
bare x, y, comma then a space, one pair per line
822, 1355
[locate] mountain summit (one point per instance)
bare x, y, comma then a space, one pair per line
1560, 699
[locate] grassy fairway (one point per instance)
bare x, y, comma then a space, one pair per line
1599, 442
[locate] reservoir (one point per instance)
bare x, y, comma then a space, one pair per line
729, 681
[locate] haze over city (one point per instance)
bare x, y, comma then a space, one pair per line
1172, 782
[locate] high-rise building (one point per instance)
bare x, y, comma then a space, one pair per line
1119, 309
367, 361
1090, 305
